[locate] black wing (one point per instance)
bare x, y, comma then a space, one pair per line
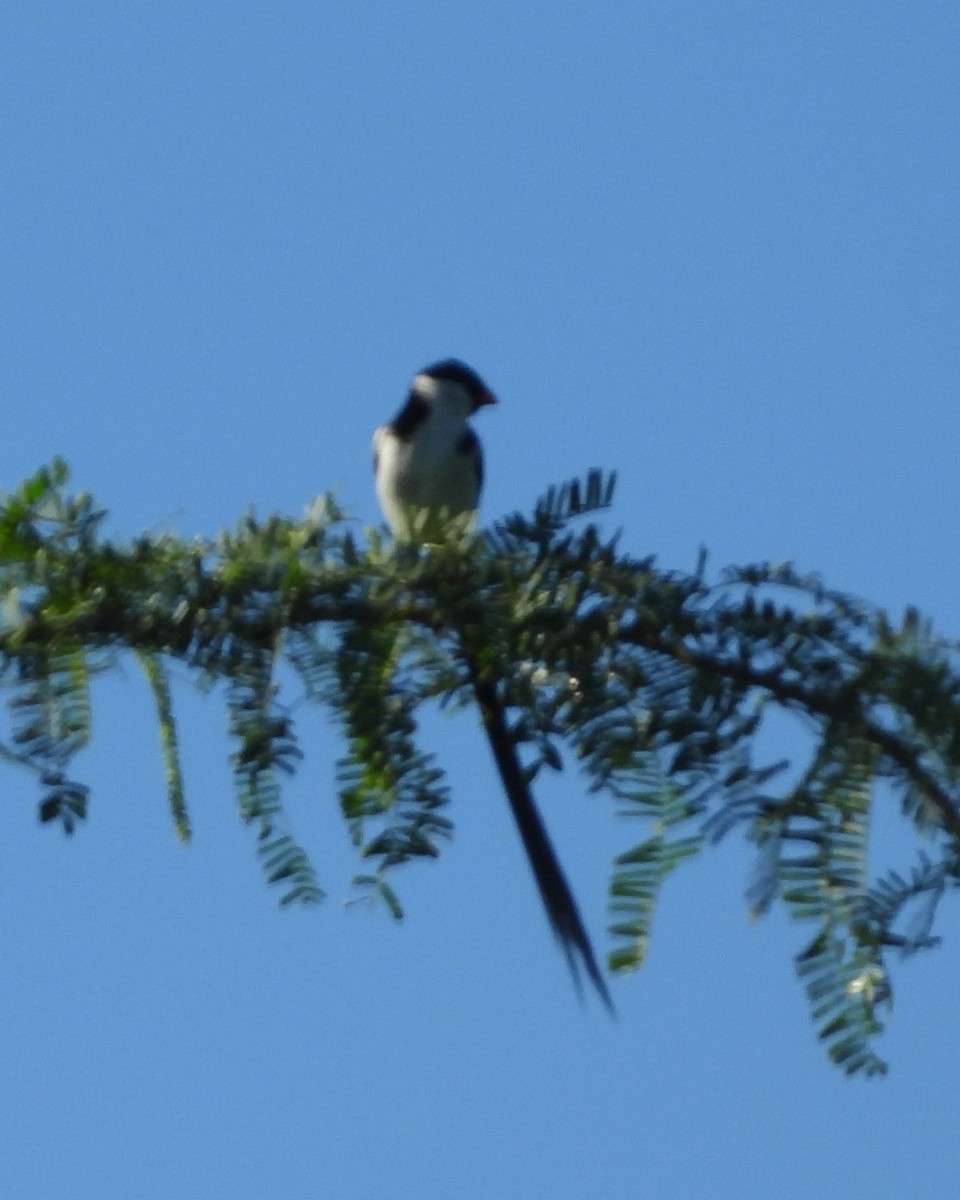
469, 446
409, 419
405, 424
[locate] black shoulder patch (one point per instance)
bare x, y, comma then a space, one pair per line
410, 417
469, 445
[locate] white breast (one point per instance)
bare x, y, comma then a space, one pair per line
426, 472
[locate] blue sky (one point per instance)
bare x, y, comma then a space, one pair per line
714, 247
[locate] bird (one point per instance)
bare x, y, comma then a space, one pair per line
428, 463
428, 469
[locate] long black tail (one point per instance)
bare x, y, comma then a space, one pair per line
555, 892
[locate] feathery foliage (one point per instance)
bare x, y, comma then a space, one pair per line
656, 684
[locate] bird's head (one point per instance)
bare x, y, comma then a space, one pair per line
453, 386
